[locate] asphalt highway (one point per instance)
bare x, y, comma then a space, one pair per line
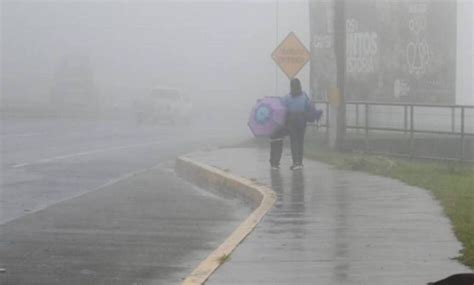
83, 202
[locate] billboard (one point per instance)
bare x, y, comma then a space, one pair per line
396, 51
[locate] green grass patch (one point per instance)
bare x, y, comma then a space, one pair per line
223, 258
451, 183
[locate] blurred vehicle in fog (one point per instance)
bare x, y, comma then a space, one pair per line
74, 92
163, 105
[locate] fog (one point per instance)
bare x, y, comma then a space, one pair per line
217, 53
134, 147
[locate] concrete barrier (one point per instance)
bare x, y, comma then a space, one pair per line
260, 197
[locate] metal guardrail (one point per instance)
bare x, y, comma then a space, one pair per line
457, 113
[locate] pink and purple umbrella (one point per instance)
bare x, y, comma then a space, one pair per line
267, 116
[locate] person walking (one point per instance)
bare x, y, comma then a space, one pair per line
298, 104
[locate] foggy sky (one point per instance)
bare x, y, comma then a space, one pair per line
133, 46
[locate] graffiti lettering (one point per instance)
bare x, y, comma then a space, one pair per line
322, 41
362, 49
418, 56
362, 44
418, 52
418, 8
400, 88
417, 25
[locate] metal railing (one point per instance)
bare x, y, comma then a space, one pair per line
410, 119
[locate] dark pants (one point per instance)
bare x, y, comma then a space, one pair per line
297, 144
276, 146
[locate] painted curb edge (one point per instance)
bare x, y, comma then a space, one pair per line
211, 177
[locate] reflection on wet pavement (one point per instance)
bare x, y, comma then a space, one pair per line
337, 227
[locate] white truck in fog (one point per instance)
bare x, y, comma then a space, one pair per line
163, 105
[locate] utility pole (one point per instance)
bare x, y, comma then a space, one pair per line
340, 52
276, 44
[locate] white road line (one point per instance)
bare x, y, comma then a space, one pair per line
73, 155
108, 183
22, 135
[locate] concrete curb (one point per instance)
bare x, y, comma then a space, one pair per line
261, 197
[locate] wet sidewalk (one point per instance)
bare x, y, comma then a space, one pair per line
331, 226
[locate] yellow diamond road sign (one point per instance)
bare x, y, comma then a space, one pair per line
291, 55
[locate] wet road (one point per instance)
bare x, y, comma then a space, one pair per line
88, 203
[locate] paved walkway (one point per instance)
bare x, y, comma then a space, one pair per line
337, 227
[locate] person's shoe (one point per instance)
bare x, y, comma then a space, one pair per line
296, 167
275, 167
